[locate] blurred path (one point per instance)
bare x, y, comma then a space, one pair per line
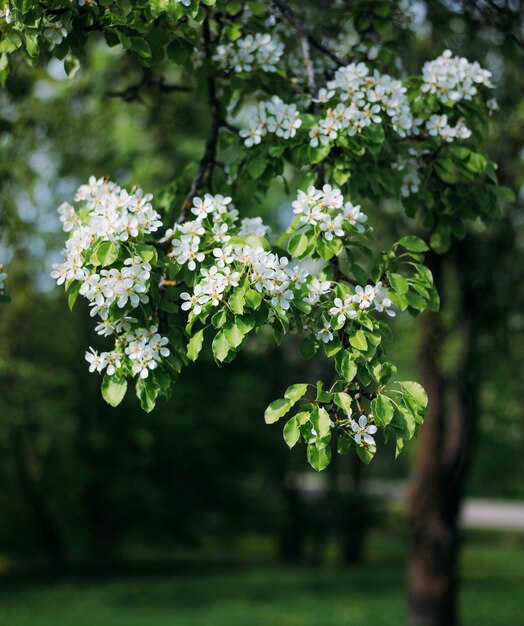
476, 512
502, 514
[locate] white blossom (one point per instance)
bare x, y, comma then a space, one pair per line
363, 432
437, 126
343, 309
271, 116
324, 334
453, 79
365, 98
259, 51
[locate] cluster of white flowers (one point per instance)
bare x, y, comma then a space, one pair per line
373, 297
203, 245
260, 51
409, 164
3, 276
123, 286
144, 348
253, 226
268, 273
368, 298
316, 289
437, 126
213, 216
453, 79
271, 116
363, 98
326, 209
99, 362
109, 214
272, 276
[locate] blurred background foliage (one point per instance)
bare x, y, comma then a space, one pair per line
82, 484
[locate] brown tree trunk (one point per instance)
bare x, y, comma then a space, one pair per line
439, 474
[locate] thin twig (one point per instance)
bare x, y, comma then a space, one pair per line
207, 163
322, 48
132, 92
306, 40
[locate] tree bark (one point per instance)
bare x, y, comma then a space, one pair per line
441, 464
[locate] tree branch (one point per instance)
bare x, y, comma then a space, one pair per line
207, 163
132, 92
306, 40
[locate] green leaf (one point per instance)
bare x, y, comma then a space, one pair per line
416, 391
505, 194
195, 345
146, 252
322, 396
295, 392
366, 454
113, 389
219, 318
292, 432
476, 163
233, 333
407, 418
413, 244
343, 400
309, 347
298, 244
31, 43
105, 254
345, 365
141, 46
318, 459
276, 410
318, 154
398, 282
383, 410
73, 295
415, 301
220, 346
237, 301
253, 299
257, 166
146, 393
358, 341
321, 422
179, 50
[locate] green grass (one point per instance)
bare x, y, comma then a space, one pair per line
268, 595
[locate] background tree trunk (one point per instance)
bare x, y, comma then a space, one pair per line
442, 461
